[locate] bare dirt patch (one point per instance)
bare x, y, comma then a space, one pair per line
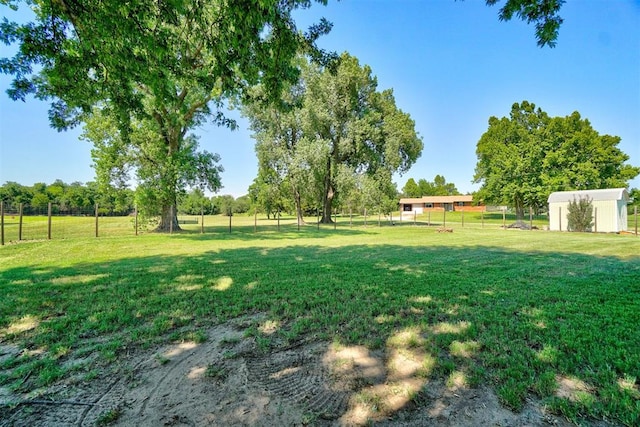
229, 381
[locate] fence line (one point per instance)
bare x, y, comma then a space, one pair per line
17, 224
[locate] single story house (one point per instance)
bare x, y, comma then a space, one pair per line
438, 203
609, 209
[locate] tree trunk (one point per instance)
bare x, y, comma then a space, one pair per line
327, 206
299, 215
327, 198
168, 216
519, 210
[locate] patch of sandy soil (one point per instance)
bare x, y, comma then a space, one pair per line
228, 381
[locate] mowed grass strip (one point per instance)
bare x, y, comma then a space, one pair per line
549, 314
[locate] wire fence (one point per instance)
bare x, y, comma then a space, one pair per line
20, 222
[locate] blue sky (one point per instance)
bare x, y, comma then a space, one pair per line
451, 64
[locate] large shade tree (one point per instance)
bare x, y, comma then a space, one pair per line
528, 155
337, 127
167, 65
359, 129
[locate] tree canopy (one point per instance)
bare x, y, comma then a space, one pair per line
153, 71
338, 128
527, 156
439, 187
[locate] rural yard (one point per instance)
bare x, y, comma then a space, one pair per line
390, 326
319, 213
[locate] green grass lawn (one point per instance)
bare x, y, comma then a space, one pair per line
526, 312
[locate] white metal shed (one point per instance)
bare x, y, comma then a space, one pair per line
609, 209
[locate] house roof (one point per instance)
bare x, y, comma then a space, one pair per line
594, 195
438, 199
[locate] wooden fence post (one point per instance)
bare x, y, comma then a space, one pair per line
20, 224
530, 218
350, 217
318, 217
255, 220
1, 223
335, 219
49, 221
504, 218
96, 220
230, 214
278, 220
135, 221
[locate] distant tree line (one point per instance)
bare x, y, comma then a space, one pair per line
74, 198
196, 203
80, 198
439, 187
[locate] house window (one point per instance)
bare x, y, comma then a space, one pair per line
460, 203
428, 205
407, 208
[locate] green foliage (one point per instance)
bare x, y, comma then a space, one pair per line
524, 158
543, 13
66, 198
142, 75
321, 150
411, 189
163, 171
634, 199
439, 187
580, 214
143, 57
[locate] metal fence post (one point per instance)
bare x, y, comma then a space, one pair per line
49, 221
20, 224
1, 223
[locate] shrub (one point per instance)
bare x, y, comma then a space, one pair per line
580, 215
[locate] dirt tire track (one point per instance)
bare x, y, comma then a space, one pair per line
300, 378
227, 381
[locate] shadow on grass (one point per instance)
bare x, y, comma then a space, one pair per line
270, 232
527, 322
